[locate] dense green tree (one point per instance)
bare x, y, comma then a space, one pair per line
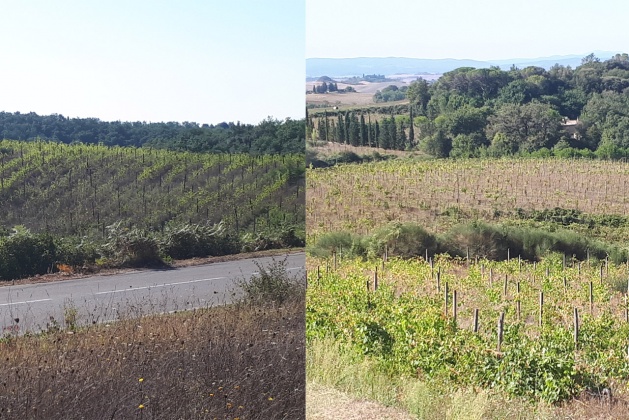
437, 145
419, 94
532, 126
467, 145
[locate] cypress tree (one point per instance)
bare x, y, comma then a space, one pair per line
340, 129
411, 130
320, 130
369, 133
363, 130
392, 133
384, 141
376, 137
402, 137
354, 130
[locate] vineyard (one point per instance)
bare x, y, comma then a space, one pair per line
541, 331
438, 193
81, 189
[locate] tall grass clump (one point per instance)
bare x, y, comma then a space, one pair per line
197, 240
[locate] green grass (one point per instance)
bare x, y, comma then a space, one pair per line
329, 363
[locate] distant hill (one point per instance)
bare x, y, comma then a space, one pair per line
335, 67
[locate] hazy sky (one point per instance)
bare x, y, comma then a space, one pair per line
205, 61
479, 29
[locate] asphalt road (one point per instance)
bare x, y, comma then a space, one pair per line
101, 299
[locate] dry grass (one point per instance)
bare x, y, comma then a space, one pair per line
340, 99
241, 361
330, 148
324, 403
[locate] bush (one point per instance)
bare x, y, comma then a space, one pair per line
480, 239
24, 254
404, 240
272, 284
348, 244
76, 251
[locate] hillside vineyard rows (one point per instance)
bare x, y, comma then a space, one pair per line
360, 197
80, 189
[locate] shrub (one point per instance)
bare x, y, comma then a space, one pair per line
24, 254
480, 239
347, 243
272, 284
402, 239
75, 251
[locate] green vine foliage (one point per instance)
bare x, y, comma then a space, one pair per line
402, 325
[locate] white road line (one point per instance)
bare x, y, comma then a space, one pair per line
26, 301
255, 273
158, 285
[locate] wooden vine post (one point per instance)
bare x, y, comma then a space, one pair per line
541, 307
501, 325
591, 297
576, 328
518, 304
454, 306
438, 281
445, 300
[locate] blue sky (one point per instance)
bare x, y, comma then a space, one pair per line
480, 29
205, 61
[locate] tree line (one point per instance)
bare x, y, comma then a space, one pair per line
471, 112
270, 136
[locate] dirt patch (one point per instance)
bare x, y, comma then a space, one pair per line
329, 404
59, 276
